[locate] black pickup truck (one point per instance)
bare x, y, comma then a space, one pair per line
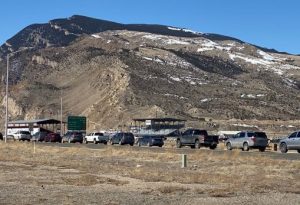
197, 138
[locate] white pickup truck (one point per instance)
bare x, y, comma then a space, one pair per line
96, 137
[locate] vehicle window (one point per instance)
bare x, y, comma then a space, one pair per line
242, 134
298, 135
200, 132
293, 135
128, 134
260, 135
187, 132
24, 132
98, 133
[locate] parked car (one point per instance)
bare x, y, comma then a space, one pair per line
149, 140
122, 138
39, 136
96, 137
248, 140
52, 137
196, 138
22, 135
72, 137
292, 142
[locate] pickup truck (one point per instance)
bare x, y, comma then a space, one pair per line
96, 137
197, 138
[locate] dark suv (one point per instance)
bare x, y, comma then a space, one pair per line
72, 137
122, 138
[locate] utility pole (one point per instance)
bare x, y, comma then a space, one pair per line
61, 118
6, 97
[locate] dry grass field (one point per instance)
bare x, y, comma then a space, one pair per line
122, 175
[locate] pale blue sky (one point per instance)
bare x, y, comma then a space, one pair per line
267, 23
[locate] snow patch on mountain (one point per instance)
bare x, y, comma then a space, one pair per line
248, 59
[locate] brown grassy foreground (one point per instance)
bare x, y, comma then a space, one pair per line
116, 175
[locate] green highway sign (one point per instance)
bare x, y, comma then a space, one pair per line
76, 123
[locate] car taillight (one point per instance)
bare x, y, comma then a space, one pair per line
253, 138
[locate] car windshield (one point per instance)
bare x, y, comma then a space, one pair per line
98, 133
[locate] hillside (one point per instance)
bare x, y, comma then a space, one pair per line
114, 72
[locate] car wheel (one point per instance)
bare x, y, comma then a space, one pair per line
131, 144
245, 146
298, 150
262, 149
95, 141
228, 146
283, 148
214, 146
197, 144
178, 144
193, 146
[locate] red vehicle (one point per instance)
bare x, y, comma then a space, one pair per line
53, 137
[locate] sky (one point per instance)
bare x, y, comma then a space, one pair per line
267, 23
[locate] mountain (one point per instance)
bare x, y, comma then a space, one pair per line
114, 72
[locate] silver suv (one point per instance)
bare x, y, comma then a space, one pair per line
291, 142
248, 139
22, 135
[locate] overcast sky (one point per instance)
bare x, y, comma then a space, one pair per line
267, 23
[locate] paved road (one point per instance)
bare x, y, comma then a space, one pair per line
291, 155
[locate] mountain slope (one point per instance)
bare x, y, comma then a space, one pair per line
112, 73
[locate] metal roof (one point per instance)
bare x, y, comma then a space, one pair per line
167, 119
37, 121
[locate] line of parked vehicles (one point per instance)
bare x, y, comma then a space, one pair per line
195, 138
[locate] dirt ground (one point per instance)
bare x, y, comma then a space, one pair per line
122, 175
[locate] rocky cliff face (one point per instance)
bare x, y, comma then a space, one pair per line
113, 72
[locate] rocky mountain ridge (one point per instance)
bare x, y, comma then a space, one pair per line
113, 72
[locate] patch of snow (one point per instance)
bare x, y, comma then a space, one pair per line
204, 100
108, 41
265, 56
7, 44
174, 29
147, 58
176, 96
96, 36
289, 82
175, 41
175, 79
254, 61
158, 60
244, 125
152, 37
252, 95
184, 30
204, 49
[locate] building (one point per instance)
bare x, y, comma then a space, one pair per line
157, 126
35, 126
